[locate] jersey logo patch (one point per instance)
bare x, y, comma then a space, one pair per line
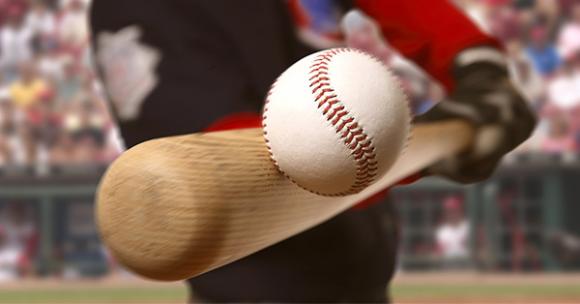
128, 68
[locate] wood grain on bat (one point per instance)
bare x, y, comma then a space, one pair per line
176, 207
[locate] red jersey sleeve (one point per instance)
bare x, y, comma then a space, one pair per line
429, 32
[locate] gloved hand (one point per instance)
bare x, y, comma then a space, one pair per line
484, 96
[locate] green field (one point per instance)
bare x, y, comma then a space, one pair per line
487, 293
96, 295
417, 289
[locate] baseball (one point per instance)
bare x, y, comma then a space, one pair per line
336, 121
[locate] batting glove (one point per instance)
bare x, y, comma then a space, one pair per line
484, 96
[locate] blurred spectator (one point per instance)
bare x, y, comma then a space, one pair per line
10, 7
16, 42
504, 21
4, 89
9, 257
10, 120
73, 27
41, 20
564, 89
89, 135
43, 123
90, 144
51, 64
548, 12
569, 38
29, 89
560, 139
453, 233
5, 152
542, 52
18, 223
566, 246
61, 149
18, 238
70, 87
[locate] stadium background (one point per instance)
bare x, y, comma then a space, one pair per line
513, 238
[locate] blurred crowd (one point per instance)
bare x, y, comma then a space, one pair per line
51, 109
18, 241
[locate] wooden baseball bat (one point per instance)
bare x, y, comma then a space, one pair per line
176, 207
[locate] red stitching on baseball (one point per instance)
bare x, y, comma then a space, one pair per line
330, 99
319, 66
323, 57
349, 138
354, 136
366, 144
334, 112
322, 84
338, 117
324, 91
357, 132
318, 74
318, 80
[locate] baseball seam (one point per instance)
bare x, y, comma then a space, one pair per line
410, 118
272, 157
351, 132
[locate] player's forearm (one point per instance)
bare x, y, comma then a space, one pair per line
431, 33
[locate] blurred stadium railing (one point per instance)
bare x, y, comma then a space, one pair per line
523, 219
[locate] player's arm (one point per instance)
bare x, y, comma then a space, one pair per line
471, 66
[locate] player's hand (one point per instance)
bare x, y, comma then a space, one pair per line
485, 96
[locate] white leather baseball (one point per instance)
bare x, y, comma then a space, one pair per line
336, 121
